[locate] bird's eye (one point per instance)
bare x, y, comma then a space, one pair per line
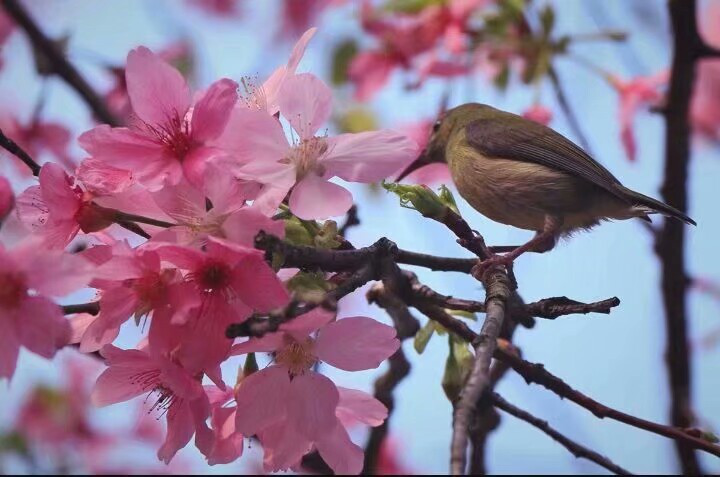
436, 126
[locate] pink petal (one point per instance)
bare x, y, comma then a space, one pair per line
180, 429
31, 209
9, 350
299, 49
283, 447
339, 452
121, 147
183, 202
78, 324
308, 323
184, 258
58, 192
315, 198
103, 179
228, 443
266, 344
311, 404
306, 102
211, 113
41, 326
270, 196
261, 399
369, 156
195, 163
7, 198
356, 343
257, 285
356, 406
370, 71
53, 273
116, 306
226, 192
158, 92
120, 381
253, 135
243, 225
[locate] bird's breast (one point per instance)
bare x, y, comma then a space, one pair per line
518, 193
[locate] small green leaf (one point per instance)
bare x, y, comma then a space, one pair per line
14, 443
297, 233
547, 19
250, 366
309, 286
420, 198
463, 314
710, 437
457, 367
448, 199
342, 56
410, 6
422, 337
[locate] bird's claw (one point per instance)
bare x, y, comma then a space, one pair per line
483, 267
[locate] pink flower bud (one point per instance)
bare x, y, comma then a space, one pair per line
539, 114
7, 199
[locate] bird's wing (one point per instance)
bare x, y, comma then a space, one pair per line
529, 141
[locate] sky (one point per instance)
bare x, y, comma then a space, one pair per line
616, 359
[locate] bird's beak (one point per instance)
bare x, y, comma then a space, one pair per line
422, 160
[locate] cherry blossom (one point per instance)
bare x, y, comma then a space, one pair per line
539, 114
303, 166
29, 275
634, 94
292, 407
180, 395
171, 136
39, 137
7, 198
58, 209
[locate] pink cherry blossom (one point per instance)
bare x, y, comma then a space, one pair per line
635, 94
7, 198
291, 407
228, 217
705, 106
304, 166
435, 173
228, 445
58, 209
132, 282
539, 114
223, 285
169, 139
180, 395
31, 319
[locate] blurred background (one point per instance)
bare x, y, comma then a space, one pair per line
613, 74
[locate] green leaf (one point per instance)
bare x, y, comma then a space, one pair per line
297, 233
502, 79
447, 198
547, 20
342, 56
250, 366
309, 286
457, 367
422, 337
420, 198
410, 6
14, 443
357, 120
463, 314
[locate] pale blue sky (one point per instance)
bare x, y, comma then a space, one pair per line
617, 359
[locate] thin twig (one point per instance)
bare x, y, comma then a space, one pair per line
57, 61
12, 147
92, 307
578, 450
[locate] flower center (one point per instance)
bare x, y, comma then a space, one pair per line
150, 381
213, 277
175, 135
12, 289
297, 357
305, 156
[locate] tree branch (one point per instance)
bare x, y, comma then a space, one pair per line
60, 65
576, 449
670, 240
12, 147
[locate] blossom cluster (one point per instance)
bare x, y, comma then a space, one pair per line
199, 175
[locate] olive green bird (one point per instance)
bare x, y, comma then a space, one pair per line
521, 173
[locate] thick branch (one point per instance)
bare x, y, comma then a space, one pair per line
498, 292
576, 449
670, 240
60, 65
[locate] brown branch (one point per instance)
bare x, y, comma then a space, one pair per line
399, 367
670, 240
536, 373
497, 286
93, 308
576, 449
351, 220
57, 61
12, 147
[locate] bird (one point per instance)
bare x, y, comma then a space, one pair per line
518, 172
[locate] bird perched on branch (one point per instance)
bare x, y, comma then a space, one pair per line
521, 173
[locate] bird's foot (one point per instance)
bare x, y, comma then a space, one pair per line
494, 261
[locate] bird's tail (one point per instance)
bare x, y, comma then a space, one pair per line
656, 206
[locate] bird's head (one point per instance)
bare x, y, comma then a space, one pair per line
447, 124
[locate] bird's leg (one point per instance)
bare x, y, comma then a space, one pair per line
542, 242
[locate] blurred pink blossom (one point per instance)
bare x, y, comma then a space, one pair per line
538, 113
7, 198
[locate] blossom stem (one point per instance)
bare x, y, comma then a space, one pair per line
125, 217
